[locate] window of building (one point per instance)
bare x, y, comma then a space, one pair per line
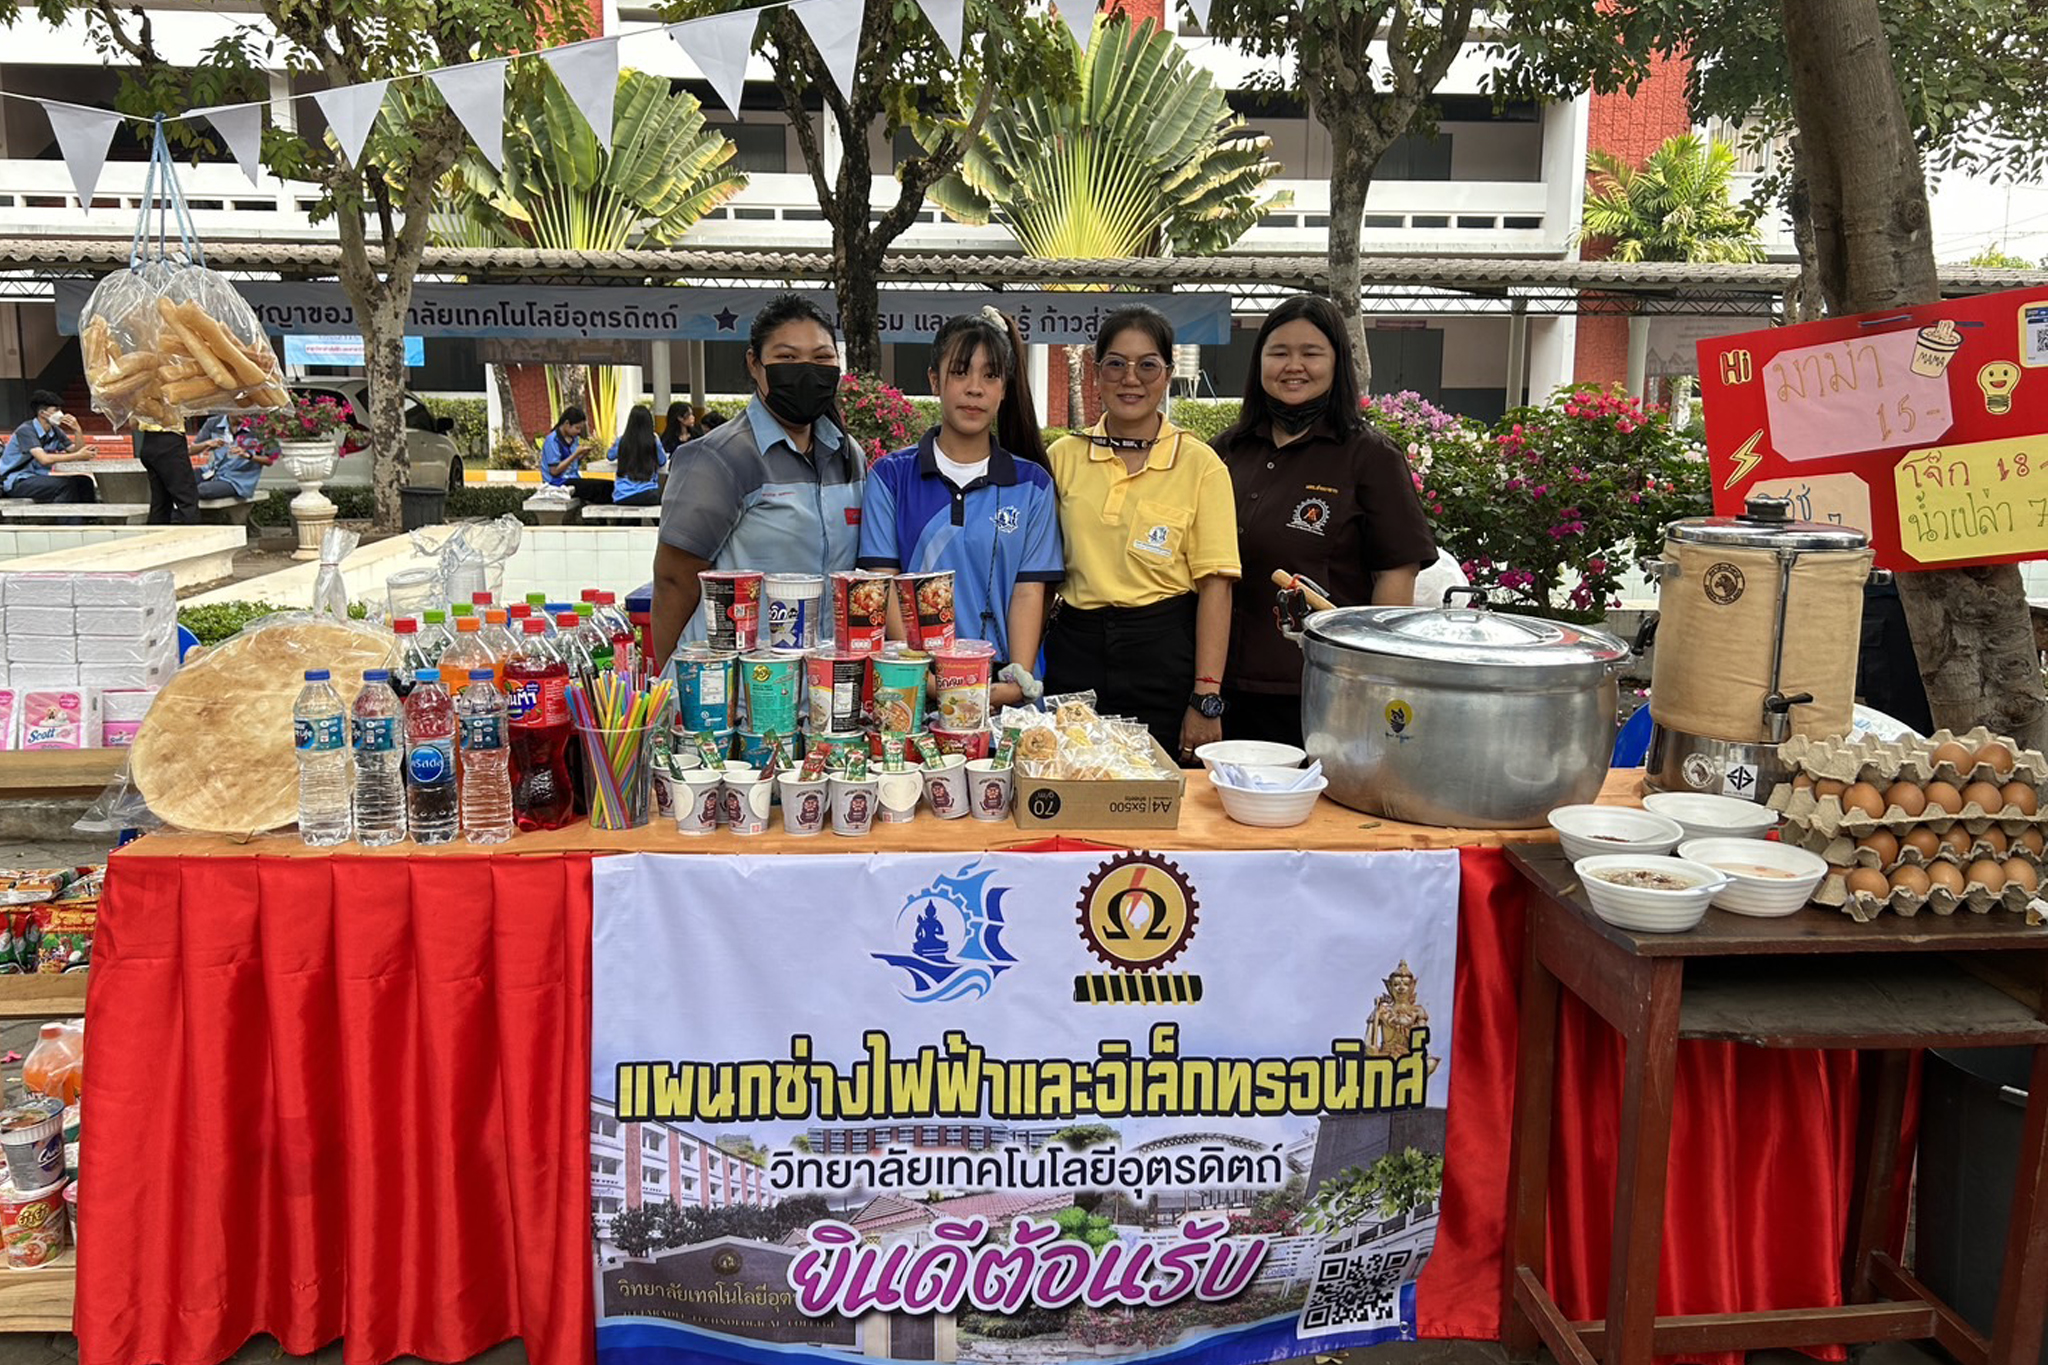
954, 1137
689, 1151
607, 1207
604, 1127
1415, 157
905, 148
652, 1141
652, 1175
758, 148
606, 1165
929, 1136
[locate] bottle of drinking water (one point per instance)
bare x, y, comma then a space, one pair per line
430, 782
486, 760
320, 734
380, 761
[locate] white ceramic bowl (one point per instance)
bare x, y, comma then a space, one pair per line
1268, 810
1255, 752
1759, 893
1590, 831
1710, 817
1649, 909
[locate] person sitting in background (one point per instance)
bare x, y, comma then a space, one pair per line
39, 444
235, 459
638, 460
713, 421
679, 426
561, 451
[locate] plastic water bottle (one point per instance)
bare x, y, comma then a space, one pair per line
498, 640
435, 634
320, 734
596, 641
412, 654
430, 782
380, 755
574, 648
486, 760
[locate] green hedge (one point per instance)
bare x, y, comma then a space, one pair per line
356, 504
1206, 417
472, 434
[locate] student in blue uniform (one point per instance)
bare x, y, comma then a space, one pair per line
561, 452
974, 495
638, 459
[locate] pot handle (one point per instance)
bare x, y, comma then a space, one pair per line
1480, 600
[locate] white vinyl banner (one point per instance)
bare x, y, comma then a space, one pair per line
1017, 1107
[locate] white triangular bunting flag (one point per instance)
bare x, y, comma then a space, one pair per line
834, 26
720, 46
590, 73
241, 127
477, 96
1200, 9
350, 111
83, 135
1080, 17
949, 19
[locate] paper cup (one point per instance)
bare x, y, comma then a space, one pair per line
772, 680
832, 690
747, 800
925, 601
697, 794
732, 608
860, 611
32, 1223
896, 796
32, 1140
945, 787
853, 805
988, 789
804, 803
795, 604
967, 744
704, 687
899, 691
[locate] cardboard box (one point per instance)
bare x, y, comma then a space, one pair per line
1046, 803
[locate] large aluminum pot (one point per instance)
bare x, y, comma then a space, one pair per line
1458, 716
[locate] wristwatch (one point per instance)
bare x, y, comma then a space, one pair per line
1208, 704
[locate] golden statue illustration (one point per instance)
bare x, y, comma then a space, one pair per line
1396, 1013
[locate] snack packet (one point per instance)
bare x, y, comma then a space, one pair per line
856, 766
1006, 747
707, 749
892, 754
814, 763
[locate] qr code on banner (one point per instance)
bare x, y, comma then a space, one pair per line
1357, 1290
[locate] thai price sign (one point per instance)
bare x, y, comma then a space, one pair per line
1007, 1107
1923, 427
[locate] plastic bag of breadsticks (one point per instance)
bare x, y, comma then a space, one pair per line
166, 340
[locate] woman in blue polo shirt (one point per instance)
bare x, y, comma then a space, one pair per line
974, 496
638, 459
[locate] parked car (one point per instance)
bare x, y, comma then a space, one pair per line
431, 459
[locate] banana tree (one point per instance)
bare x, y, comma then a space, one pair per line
560, 189
1144, 158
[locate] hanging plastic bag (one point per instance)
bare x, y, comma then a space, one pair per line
168, 339
330, 594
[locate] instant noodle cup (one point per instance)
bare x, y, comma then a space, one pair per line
925, 601
945, 787
899, 691
32, 1223
860, 611
696, 797
804, 803
704, 687
32, 1140
966, 743
853, 804
988, 789
732, 608
772, 680
71, 1207
896, 796
832, 690
960, 677
796, 604
754, 748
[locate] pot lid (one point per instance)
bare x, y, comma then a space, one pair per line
1466, 635
1766, 523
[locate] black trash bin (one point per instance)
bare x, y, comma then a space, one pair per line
421, 507
1972, 1103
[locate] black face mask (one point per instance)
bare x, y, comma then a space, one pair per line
1297, 417
800, 392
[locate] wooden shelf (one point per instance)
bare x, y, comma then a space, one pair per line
46, 771
40, 996
39, 1300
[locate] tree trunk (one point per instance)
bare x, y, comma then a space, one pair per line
1874, 250
1807, 304
510, 428
1077, 389
384, 366
857, 273
1350, 178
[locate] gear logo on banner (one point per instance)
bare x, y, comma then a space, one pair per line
1138, 913
955, 932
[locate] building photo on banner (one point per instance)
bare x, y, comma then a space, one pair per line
1017, 1107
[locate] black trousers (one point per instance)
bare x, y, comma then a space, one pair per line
173, 486
55, 488
606, 492
1139, 661
1272, 716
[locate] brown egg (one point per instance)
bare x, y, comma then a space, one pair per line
1802, 782
2021, 794
1910, 879
1984, 795
1827, 786
2019, 872
1923, 841
2033, 841
1947, 876
1907, 796
1943, 796
1868, 881
1994, 839
1958, 841
1884, 844
1950, 753
1998, 756
1864, 797
1987, 873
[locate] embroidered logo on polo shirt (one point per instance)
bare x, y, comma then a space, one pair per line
1310, 514
1154, 541
1005, 520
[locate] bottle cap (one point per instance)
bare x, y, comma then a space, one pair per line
496, 616
586, 609
405, 625
435, 616
589, 595
462, 611
482, 675
533, 625
432, 675
316, 675
371, 675
606, 599
481, 599
468, 625
567, 620
557, 608
519, 611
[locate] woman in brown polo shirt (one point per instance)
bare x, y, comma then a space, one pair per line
1320, 493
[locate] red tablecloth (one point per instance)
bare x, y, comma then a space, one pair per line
349, 1097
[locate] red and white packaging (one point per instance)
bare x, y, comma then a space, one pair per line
66, 718
10, 720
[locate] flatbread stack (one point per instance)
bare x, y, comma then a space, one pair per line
215, 753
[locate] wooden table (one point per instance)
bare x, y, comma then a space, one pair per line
1815, 979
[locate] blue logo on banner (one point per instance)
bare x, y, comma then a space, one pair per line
955, 927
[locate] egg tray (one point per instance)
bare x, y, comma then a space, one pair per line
1833, 894
1801, 807
1840, 851
1886, 761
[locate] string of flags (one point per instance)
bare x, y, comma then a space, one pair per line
719, 45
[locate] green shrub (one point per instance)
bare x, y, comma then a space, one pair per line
1207, 418
487, 500
927, 410
350, 504
356, 504
217, 621
472, 434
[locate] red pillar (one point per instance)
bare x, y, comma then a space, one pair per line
631, 1132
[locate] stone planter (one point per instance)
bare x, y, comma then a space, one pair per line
312, 464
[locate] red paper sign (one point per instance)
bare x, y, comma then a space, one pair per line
1922, 426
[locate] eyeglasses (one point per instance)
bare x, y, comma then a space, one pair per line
1149, 370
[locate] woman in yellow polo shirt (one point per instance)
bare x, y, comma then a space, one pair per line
1150, 527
